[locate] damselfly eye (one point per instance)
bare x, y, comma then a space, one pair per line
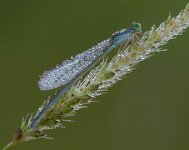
137, 27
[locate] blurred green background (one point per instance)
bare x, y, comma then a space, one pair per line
148, 110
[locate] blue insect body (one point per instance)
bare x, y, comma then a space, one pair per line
71, 71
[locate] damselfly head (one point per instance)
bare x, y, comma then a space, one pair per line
136, 26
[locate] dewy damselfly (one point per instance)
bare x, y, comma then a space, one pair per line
71, 71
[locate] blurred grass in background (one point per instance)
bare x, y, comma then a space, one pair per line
148, 110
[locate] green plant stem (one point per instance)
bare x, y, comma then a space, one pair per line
11, 145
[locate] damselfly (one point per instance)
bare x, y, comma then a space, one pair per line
71, 71
83, 62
